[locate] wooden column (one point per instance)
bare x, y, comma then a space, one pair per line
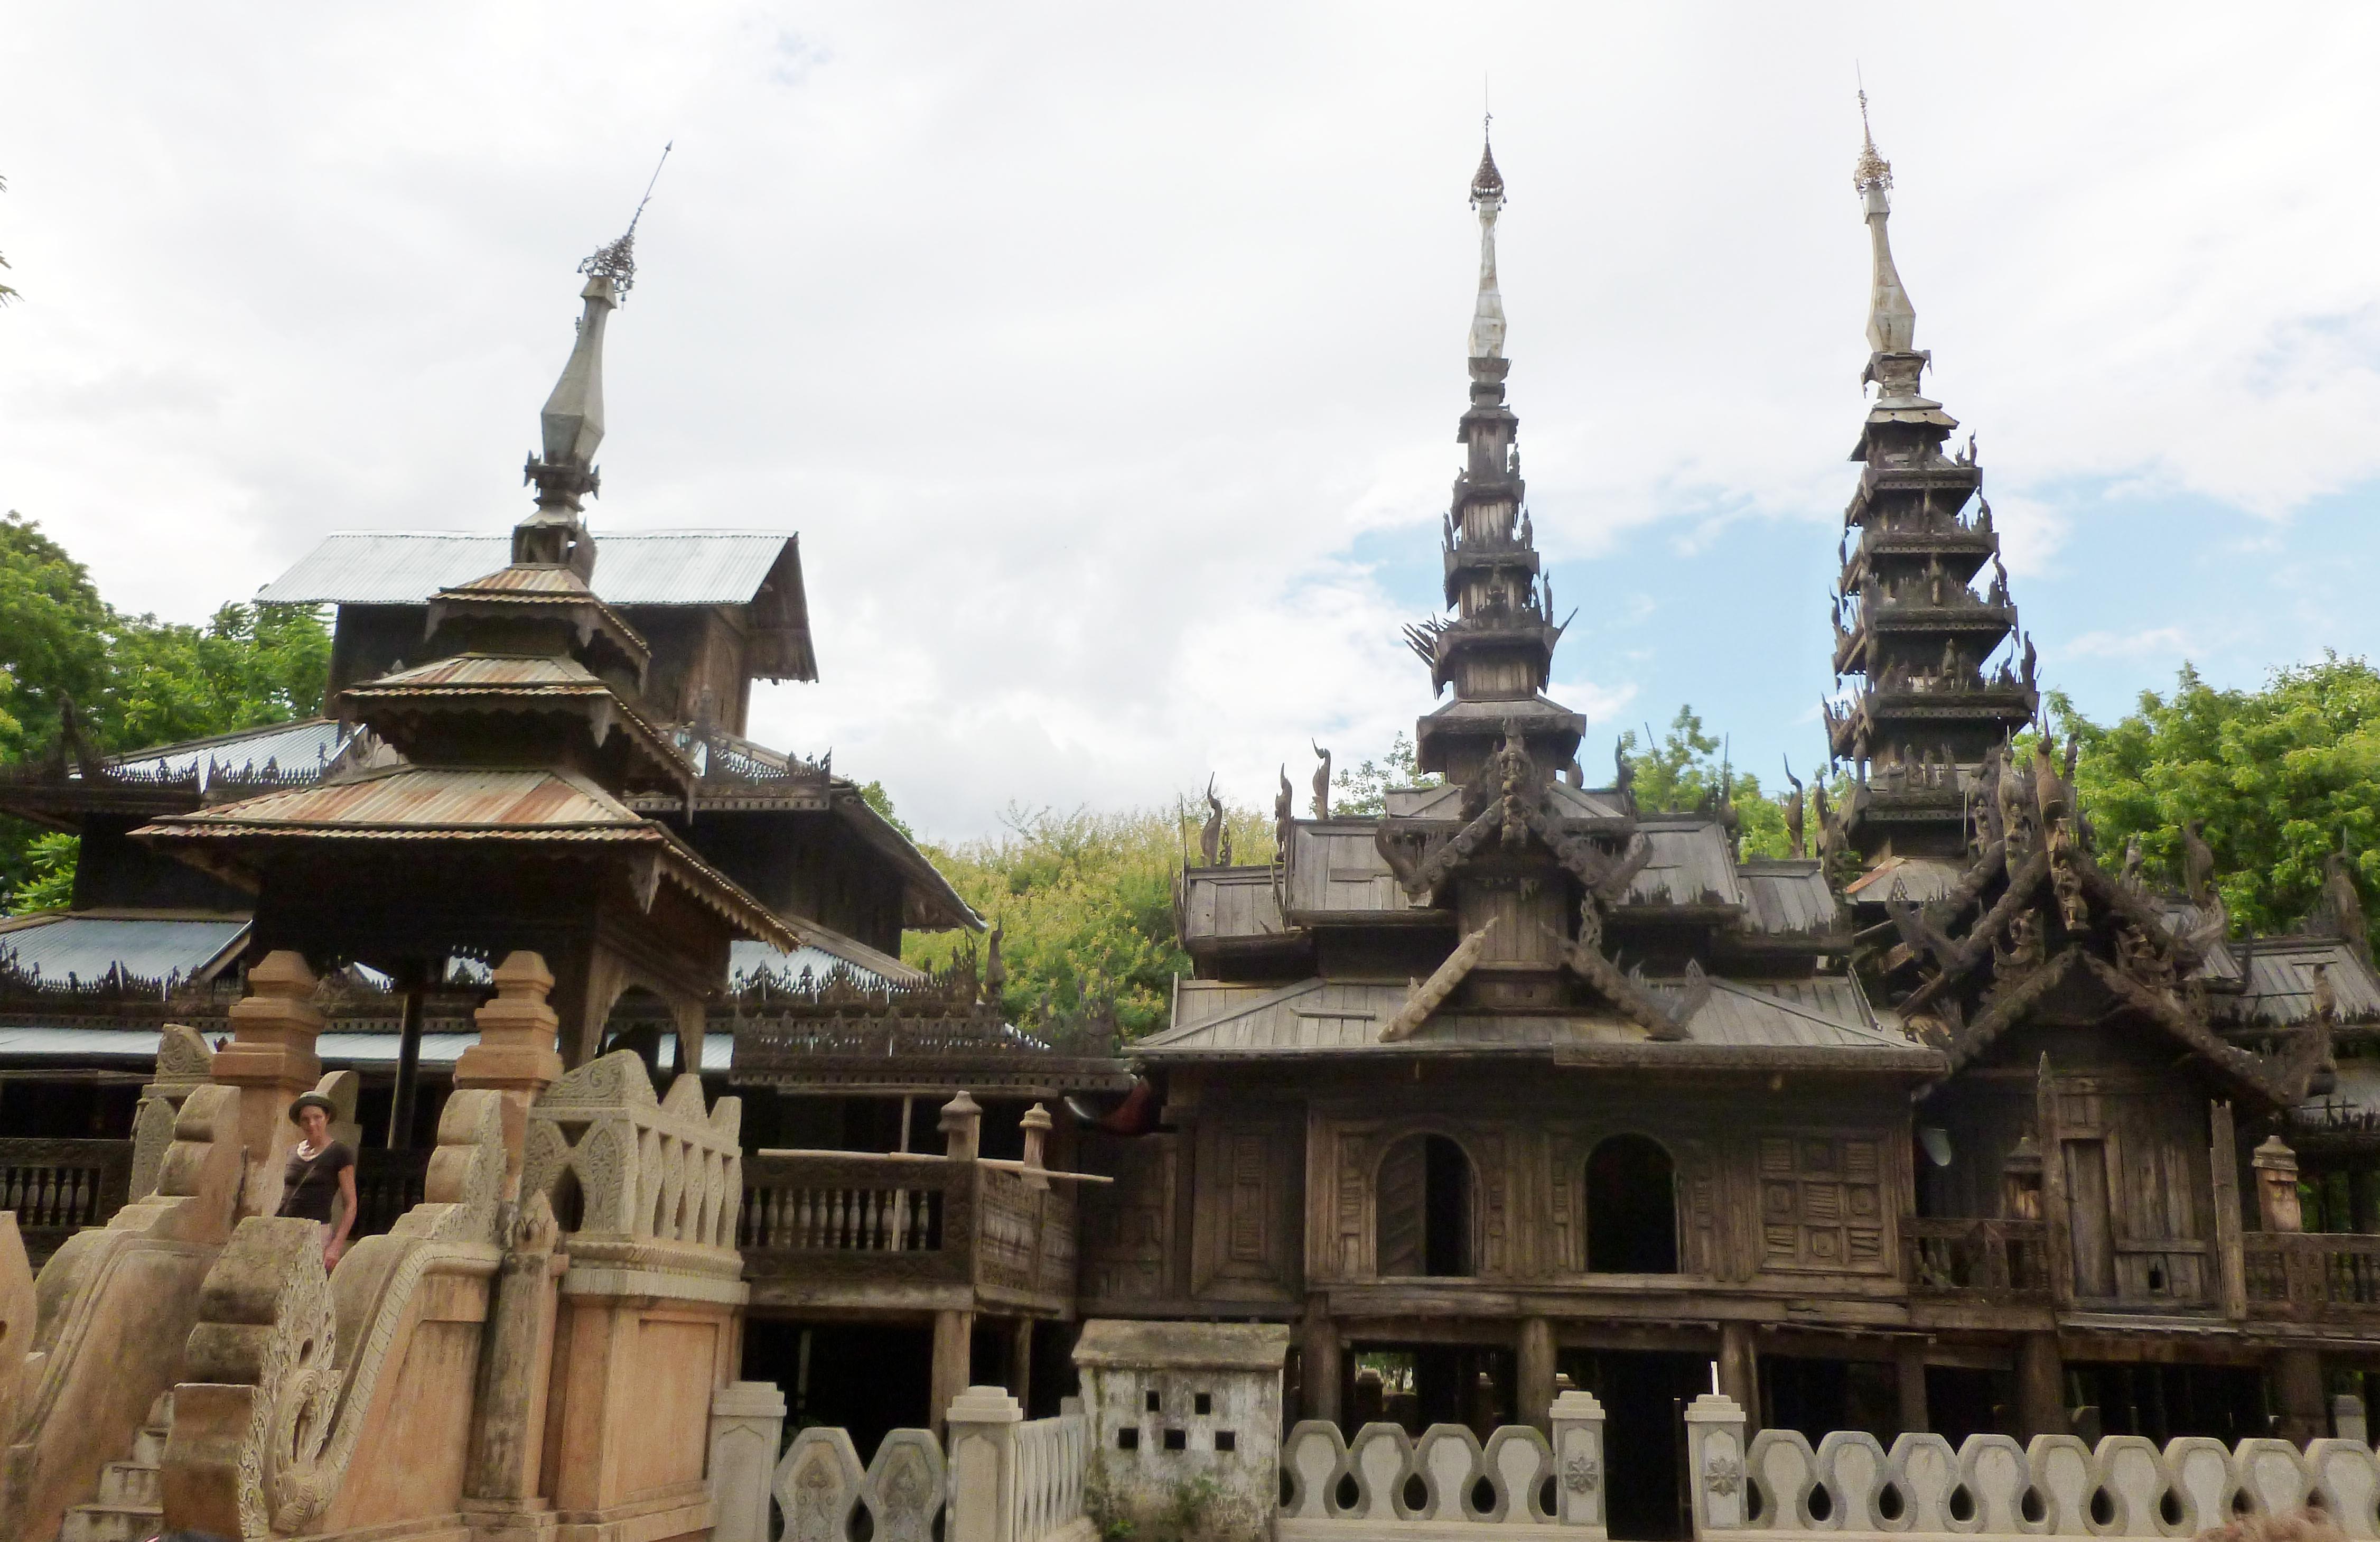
2056, 1210
1738, 1369
1020, 1363
2223, 1161
2297, 1391
1534, 1392
2040, 1386
1909, 1370
1319, 1366
953, 1351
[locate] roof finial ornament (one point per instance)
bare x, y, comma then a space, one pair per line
1891, 318
1873, 170
617, 262
1488, 198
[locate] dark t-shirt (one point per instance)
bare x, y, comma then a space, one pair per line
309, 1187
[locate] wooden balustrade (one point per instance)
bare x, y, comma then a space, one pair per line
1985, 1256
839, 1217
57, 1187
2310, 1276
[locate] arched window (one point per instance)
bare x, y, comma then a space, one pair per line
1425, 1197
1632, 1209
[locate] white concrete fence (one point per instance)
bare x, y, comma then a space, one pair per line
1991, 1486
1007, 1478
1386, 1483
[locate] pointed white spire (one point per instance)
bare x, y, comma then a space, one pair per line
1891, 318
573, 416
1487, 316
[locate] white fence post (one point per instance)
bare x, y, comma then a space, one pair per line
1577, 1420
1715, 1467
747, 1419
982, 1432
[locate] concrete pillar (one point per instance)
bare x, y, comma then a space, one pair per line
271, 1059
1318, 1364
953, 1348
1576, 1420
2277, 1187
1909, 1370
1738, 1369
1534, 1392
982, 1443
2040, 1386
507, 1454
1037, 1122
2298, 1397
1715, 1468
748, 1419
515, 1056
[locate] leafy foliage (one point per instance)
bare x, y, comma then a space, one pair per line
1685, 768
1360, 790
1085, 902
50, 867
2278, 775
134, 681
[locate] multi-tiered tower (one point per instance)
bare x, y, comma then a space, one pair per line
1498, 650
1928, 707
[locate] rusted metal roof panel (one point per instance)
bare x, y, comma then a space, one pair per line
86, 947
1787, 897
2280, 990
1918, 879
487, 669
431, 798
632, 568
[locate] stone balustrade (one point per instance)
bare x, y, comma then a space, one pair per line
1385, 1481
617, 1162
1778, 1485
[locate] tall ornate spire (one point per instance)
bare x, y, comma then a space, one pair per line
1487, 316
1909, 624
571, 423
1497, 652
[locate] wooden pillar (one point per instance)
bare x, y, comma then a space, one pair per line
411, 982
2363, 1200
2232, 1262
1020, 1363
2297, 1394
2056, 1211
1534, 1393
1909, 1370
1738, 1369
2040, 1386
1319, 1368
688, 1017
953, 1351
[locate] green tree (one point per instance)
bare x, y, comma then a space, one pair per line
1085, 902
2279, 777
135, 681
1361, 789
1680, 771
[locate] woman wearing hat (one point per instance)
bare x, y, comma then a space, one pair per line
319, 1183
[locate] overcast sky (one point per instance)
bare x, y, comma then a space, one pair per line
1107, 358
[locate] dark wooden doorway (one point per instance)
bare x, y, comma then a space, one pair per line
1426, 1209
1632, 1207
1645, 1393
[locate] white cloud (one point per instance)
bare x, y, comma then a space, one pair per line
1081, 344
2161, 642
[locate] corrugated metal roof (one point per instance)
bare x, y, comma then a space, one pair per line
337, 1051
1690, 864
86, 947
488, 669
2280, 990
747, 961
424, 797
1785, 896
287, 745
1319, 1017
673, 567
1918, 879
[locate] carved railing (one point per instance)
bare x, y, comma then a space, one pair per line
388, 1183
2312, 1275
57, 1187
1046, 1496
1993, 1258
857, 1216
1517, 1484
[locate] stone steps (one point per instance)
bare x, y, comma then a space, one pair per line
129, 1506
